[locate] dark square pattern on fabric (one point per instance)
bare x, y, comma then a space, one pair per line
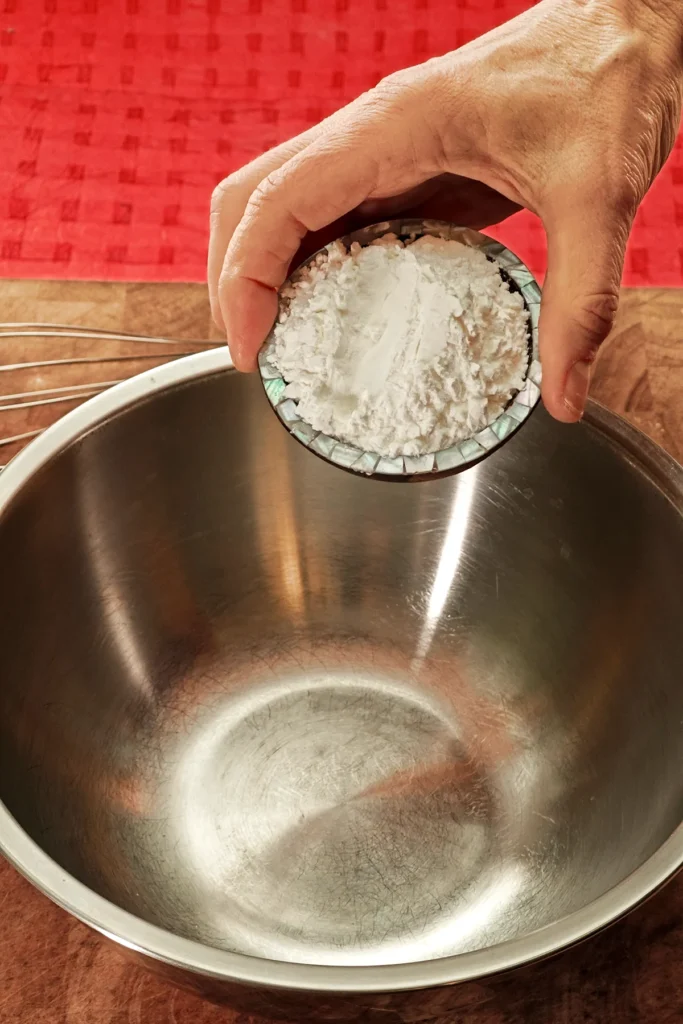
119, 116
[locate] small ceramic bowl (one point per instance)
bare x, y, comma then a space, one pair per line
461, 455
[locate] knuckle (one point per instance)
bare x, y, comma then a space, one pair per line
268, 185
223, 196
622, 182
405, 111
225, 281
628, 191
396, 93
216, 206
234, 186
395, 83
617, 188
264, 193
594, 315
220, 192
217, 196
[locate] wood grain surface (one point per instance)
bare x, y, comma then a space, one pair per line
53, 970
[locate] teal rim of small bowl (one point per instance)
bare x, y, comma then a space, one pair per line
464, 453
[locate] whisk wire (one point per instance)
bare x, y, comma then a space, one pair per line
38, 400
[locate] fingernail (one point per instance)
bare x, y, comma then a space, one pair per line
576, 387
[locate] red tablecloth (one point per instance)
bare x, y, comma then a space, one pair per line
117, 117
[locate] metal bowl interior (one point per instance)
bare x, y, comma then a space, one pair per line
276, 723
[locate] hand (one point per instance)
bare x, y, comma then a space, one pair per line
569, 110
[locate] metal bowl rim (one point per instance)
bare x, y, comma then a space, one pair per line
132, 932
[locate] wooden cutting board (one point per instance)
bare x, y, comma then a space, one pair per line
53, 970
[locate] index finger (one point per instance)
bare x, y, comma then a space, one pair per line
370, 155
229, 201
231, 196
305, 195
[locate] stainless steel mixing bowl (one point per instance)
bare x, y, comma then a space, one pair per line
310, 742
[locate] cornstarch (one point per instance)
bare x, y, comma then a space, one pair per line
401, 349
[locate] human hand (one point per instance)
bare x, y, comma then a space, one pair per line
569, 110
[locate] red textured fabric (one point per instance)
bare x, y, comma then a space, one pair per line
119, 116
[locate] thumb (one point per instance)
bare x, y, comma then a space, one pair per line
586, 247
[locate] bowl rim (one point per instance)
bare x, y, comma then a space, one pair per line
152, 941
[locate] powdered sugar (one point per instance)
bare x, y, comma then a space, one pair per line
401, 350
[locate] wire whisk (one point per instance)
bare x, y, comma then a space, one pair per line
48, 369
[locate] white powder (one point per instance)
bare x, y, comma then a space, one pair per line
401, 350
